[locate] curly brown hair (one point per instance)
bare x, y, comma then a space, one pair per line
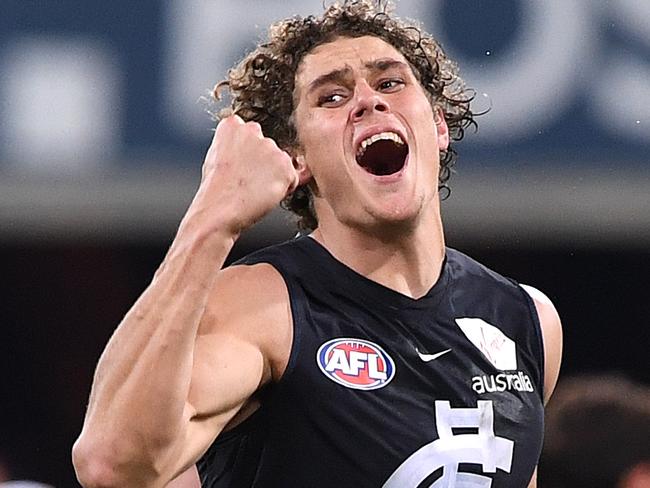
261, 86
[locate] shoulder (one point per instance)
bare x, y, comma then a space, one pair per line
242, 282
551, 326
464, 266
251, 303
489, 283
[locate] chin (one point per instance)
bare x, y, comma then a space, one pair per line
398, 218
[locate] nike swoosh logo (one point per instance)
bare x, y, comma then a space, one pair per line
430, 357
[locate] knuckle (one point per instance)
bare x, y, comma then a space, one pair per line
228, 121
254, 127
269, 143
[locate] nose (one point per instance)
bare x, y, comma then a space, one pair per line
367, 101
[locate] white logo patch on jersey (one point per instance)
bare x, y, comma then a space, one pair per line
498, 348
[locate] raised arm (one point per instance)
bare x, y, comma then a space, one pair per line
153, 406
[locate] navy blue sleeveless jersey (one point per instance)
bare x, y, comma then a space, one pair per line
382, 390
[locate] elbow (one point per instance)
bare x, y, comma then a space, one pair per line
99, 466
93, 469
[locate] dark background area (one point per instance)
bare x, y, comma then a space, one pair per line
53, 333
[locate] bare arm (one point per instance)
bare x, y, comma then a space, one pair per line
552, 336
144, 411
533, 480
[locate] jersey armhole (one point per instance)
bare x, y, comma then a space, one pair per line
532, 310
297, 316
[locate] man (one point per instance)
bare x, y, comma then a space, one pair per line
608, 414
363, 354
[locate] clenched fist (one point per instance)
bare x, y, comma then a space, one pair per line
245, 175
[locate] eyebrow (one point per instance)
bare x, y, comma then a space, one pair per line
335, 76
384, 64
339, 75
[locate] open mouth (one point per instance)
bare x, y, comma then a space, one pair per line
382, 154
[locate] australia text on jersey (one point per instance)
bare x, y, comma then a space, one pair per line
490, 383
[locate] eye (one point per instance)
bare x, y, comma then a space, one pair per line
390, 85
331, 99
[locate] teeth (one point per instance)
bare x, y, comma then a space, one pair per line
385, 136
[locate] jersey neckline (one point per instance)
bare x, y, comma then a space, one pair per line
356, 283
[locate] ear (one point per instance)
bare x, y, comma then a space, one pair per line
304, 173
442, 130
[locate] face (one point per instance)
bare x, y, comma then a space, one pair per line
367, 134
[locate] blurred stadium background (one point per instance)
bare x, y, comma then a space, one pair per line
102, 134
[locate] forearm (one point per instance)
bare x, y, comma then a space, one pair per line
138, 416
137, 407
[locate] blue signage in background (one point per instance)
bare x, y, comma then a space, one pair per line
114, 92
77, 80
89, 83
567, 81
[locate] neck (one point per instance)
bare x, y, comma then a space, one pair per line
406, 260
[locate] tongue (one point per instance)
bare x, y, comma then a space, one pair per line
383, 158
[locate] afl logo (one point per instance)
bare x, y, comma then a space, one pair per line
355, 363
